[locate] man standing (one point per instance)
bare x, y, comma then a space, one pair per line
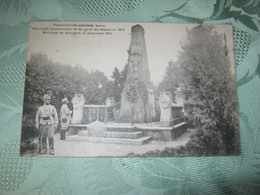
65, 118
46, 123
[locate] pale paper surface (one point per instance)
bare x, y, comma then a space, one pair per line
102, 46
218, 175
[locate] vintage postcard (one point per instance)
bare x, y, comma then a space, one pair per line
96, 89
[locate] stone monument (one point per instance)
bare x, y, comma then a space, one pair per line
78, 102
137, 99
165, 102
110, 101
96, 129
137, 107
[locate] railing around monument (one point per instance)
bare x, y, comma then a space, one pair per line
103, 113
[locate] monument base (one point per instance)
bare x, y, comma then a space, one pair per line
160, 133
115, 133
127, 133
139, 141
172, 122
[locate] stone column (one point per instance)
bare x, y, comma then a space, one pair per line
78, 102
165, 102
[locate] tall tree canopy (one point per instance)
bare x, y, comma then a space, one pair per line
59, 80
203, 72
45, 76
171, 79
119, 78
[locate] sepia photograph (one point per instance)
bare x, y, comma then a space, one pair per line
95, 89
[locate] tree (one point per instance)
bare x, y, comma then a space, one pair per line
207, 85
59, 80
96, 88
171, 79
119, 78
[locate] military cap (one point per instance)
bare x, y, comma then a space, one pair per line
64, 100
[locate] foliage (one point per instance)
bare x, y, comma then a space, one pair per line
242, 11
45, 76
19, 6
171, 79
208, 86
119, 78
247, 78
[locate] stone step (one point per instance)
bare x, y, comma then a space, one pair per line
126, 135
83, 133
115, 134
138, 141
179, 125
121, 128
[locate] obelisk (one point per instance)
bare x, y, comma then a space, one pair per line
137, 98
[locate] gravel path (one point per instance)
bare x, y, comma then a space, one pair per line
65, 148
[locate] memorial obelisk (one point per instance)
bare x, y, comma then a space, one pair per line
137, 97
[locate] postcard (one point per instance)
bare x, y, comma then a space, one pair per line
95, 89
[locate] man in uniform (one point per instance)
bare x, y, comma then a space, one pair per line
46, 123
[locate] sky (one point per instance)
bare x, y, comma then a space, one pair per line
100, 51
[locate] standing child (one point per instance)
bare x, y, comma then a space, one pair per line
65, 116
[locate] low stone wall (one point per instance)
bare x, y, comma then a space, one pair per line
75, 128
157, 133
178, 130
163, 133
179, 120
174, 121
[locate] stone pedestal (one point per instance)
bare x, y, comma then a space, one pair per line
110, 101
165, 102
78, 102
137, 104
96, 129
126, 110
